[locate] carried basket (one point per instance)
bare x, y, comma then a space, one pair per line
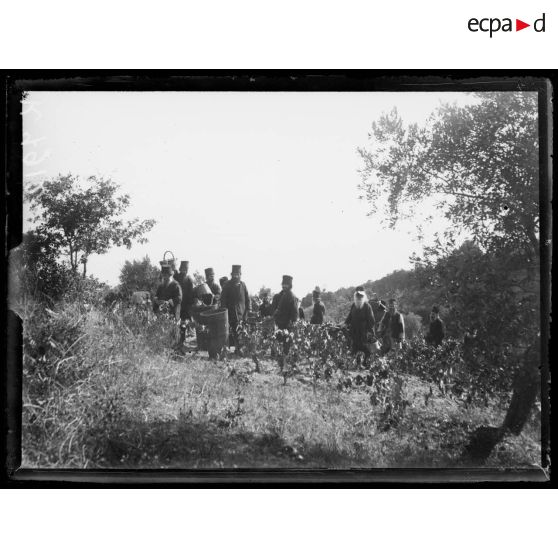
168, 261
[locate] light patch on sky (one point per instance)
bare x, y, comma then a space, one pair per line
265, 180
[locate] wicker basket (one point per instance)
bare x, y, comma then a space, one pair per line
171, 262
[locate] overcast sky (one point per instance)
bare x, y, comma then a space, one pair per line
265, 180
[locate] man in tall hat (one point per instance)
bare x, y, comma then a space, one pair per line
318, 310
301, 315
286, 305
211, 283
168, 298
436, 332
188, 295
360, 322
235, 298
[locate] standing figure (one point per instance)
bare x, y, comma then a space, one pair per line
301, 315
265, 306
187, 285
392, 328
360, 322
168, 298
436, 332
285, 311
212, 284
236, 300
203, 295
222, 281
275, 302
318, 310
285, 305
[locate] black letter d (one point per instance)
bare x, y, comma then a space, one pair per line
541, 30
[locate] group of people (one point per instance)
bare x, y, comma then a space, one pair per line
178, 296
388, 326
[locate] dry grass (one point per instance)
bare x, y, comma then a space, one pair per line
114, 394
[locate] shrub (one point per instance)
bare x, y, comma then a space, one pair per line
139, 275
73, 395
413, 325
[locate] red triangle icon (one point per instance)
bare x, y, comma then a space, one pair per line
519, 25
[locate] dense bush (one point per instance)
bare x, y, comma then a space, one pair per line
413, 325
66, 398
139, 275
38, 276
83, 377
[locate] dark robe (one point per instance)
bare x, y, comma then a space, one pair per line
301, 314
236, 300
187, 285
393, 326
275, 301
286, 309
171, 292
435, 332
361, 327
318, 312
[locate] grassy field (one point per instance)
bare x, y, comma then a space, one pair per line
114, 394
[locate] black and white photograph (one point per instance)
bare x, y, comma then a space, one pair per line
283, 280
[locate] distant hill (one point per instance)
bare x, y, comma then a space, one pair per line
400, 284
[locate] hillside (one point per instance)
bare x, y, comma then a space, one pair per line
400, 284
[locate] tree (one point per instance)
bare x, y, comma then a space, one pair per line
479, 164
82, 218
139, 275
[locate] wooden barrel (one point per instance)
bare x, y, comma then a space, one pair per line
197, 311
202, 338
217, 322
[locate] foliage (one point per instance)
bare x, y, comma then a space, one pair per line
478, 163
386, 389
139, 275
38, 272
60, 382
448, 367
322, 352
78, 219
490, 298
39, 276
